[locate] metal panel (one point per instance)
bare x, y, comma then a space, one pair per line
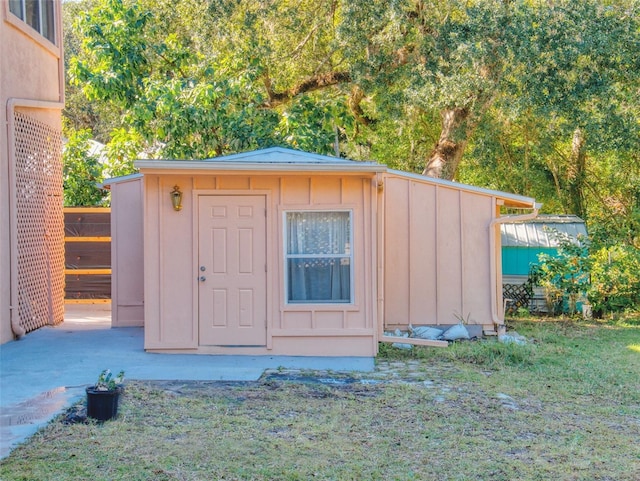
540, 231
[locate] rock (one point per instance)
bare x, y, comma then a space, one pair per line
456, 332
512, 338
399, 333
507, 401
400, 345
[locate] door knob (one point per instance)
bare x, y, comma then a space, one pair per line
203, 278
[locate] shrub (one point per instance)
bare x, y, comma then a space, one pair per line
615, 279
564, 276
608, 276
82, 172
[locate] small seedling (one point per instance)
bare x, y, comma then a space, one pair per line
107, 382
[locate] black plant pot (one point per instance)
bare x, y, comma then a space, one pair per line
102, 405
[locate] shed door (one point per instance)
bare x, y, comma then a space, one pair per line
232, 270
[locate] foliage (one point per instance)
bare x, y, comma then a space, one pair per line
238, 72
609, 277
108, 382
183, 102
565, 276
120, 152
615, 279
82, 172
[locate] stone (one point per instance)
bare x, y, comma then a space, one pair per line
402, 345
512, 338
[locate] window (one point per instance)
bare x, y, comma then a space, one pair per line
38, 14
319, 257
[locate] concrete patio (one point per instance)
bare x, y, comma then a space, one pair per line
46, 371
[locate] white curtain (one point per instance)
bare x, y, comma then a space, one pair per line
319, 256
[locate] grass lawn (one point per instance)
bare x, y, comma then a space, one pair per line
564, 407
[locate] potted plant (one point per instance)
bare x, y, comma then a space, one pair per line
104, 395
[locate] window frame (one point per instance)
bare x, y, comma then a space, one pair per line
287, 257
20, 22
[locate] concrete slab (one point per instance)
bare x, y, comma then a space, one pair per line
47, 370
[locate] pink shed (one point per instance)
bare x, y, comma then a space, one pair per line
283, 252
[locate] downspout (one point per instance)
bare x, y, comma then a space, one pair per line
380, 221
495, 314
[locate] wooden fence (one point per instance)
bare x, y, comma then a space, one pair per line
87, 255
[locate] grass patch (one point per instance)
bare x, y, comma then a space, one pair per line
566, 406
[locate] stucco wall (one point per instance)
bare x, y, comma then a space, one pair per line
171, 267
436, 254
30, 69
29, 64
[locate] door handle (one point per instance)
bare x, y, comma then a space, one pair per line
202, 278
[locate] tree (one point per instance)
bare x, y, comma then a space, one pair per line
427, 81
152, 69
82, 172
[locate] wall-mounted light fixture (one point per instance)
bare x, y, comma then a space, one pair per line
176, 198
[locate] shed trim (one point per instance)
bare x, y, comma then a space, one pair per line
106, 184
514, 200
192, 166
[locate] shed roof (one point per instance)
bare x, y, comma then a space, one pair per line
539, 232
272, 159
280, 159
510, 200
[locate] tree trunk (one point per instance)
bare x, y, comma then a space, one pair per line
576, 175
445, 157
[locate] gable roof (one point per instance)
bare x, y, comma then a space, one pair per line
281, 159
271, 159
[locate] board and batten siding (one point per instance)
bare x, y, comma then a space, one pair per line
171, 270
127, 251
436, 254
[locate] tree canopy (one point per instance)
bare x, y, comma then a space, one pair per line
539, 98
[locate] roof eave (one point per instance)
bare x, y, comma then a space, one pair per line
507, 199
163, 166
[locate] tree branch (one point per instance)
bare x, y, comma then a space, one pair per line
357, 95
311, 84
301, 45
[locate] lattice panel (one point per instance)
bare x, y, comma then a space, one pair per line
517, 295
40, 223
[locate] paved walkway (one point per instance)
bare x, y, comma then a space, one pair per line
47, 370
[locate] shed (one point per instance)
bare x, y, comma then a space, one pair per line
282, 252
522, 242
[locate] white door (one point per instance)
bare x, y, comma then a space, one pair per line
232, 270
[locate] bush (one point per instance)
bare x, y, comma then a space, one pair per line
608, 276
615, 279
564, 276
82, 172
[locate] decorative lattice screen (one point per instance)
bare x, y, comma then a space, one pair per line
40, 223
517, 295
